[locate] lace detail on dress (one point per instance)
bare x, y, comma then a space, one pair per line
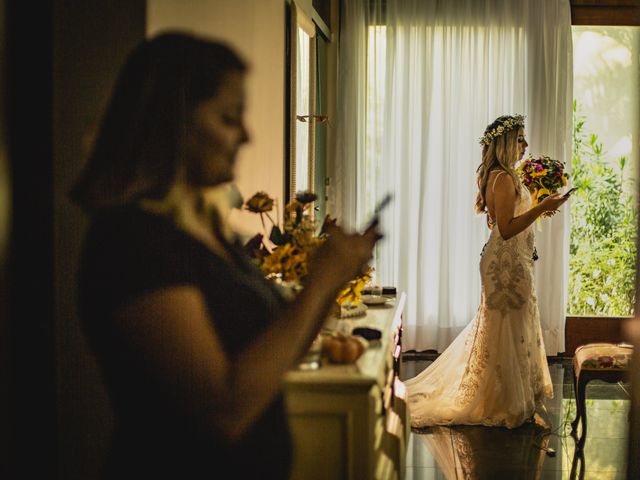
478, 359
495, 372
506, 272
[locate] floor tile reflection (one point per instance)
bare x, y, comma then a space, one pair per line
463, 452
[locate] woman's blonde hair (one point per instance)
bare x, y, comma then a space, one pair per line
500, 153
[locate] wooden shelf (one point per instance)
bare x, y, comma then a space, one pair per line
349, 421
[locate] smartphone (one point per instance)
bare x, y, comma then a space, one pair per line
382, 204
569, 192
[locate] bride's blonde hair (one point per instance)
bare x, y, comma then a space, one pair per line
499, 151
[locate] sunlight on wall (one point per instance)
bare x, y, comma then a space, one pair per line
255, 28
606, 76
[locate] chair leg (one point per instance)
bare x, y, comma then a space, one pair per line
582, 387
574, 424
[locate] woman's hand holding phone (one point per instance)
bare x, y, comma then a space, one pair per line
553, 202
376, 213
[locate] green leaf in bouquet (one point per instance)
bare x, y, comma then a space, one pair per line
277, 237
298, 215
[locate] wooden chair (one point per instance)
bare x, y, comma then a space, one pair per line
596, 361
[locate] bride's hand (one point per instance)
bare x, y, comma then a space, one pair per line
553, 202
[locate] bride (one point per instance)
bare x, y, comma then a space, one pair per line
495, 372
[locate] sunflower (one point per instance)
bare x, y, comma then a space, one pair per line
541, 173
292, 244
352, 292
260, 202
541, 194
288, 261
306, 197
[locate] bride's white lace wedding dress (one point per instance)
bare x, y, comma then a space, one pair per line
495, 372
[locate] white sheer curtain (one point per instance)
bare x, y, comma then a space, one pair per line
418, 82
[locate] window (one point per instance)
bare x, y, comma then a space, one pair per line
303, 111
308, 50
605, 164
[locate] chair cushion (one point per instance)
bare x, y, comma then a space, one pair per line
602, 356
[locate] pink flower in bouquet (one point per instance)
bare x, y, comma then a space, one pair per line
543, 176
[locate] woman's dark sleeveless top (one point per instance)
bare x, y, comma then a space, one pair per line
128, 252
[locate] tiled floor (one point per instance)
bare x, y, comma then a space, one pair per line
470, 452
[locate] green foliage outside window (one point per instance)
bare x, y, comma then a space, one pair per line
603, 230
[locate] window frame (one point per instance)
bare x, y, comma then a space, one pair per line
305, 12
605, 12
587, 329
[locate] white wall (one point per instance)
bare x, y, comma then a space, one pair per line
256, 28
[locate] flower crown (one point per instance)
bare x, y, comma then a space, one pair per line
506, 125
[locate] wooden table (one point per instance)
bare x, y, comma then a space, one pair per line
350, 421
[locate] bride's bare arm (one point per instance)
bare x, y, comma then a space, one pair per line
172, 332
504, 195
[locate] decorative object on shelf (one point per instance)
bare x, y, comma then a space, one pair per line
368, 333
543, 176
374, 299
343, 349
387, 291
285, 256
350, 310
351, 294
312, 358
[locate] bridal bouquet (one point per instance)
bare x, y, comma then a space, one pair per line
286, 255
543, 176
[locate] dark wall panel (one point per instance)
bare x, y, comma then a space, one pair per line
5, 235
30, 326
91, 40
